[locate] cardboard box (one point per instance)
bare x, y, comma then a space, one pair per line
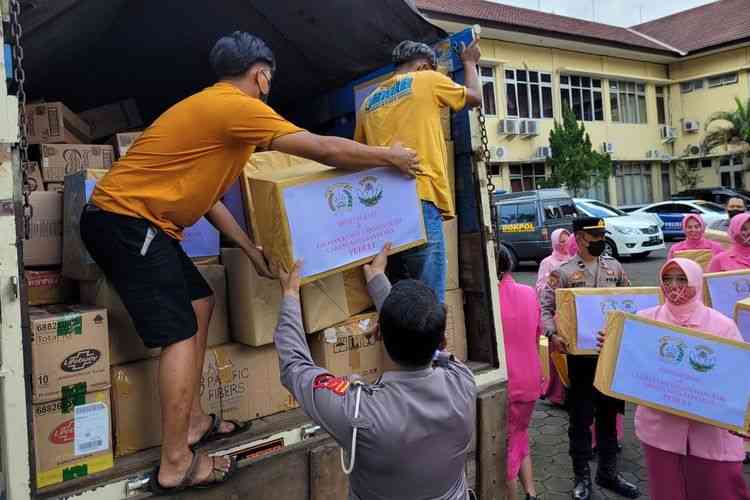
122, 142
239, 383
324, 303
36, 182
350, 348
723, 290
53, 122
455, 325
72, 439
59, 160
112, 118
124, 343
77, 263
57, 187
582, 312
69, 351
544, 359
700, 257
44, 246
451, 166
742, 318
341, 219
45, 287
254, 301
676, 370
719, 236
358, 298
450, 233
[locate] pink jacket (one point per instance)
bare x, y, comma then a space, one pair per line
522, 326
738, 256
677, 434
700, 244
559, 257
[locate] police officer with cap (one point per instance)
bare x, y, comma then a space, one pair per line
407, 435
593, 270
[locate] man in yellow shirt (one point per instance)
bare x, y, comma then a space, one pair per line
175, 173
406, 109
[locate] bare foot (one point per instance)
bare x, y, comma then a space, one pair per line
173, 474
201, 423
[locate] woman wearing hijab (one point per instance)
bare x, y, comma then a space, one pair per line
689, 460
522, 326
695, 229
738, 255
560, 256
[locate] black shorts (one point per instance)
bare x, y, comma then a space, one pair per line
157, 288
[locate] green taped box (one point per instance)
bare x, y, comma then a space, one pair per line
69, 350
72, 438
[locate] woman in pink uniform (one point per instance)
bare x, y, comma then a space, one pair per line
555, 390
738, 256
521, 317
694, 229
688, 460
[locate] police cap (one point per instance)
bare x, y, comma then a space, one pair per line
593, 225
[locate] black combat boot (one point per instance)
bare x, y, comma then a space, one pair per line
607, 477
582, 488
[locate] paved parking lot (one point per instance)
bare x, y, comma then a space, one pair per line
549, 438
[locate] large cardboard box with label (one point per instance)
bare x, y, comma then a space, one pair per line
69, 351
44, 246
122, 142
59, 160
332, 219
239, 383
53, 122
34, 176
582, 312
324, 303
109, 119
350, 348
455, 325
72, 438
357, 297
48, 286
124, 343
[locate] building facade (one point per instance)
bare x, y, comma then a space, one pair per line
644, 93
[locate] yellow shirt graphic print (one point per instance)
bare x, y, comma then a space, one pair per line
406, 108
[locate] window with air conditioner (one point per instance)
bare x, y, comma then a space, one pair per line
583, 95
628, 102
528, 94
489, 96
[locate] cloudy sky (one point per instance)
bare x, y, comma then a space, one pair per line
618, 12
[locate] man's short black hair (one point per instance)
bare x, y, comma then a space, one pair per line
234, 54
412, 323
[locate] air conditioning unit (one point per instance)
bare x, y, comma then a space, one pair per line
498, 154
543, 153
608, 148
691, 126
694, 150
668, 134
653, 154
508, 127
529, 127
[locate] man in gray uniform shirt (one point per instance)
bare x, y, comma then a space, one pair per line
408, 435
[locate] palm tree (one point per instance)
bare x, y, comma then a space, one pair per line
737, 134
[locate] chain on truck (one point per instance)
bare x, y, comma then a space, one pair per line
283, 455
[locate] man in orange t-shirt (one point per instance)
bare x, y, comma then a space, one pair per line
175, 173
405, 108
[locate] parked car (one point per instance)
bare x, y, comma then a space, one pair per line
626, 234
718, 195
527, 219
673, 212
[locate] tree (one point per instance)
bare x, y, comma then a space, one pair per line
688, 177
575, 165
736, 134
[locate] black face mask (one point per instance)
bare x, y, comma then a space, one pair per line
734, 213
596, 248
